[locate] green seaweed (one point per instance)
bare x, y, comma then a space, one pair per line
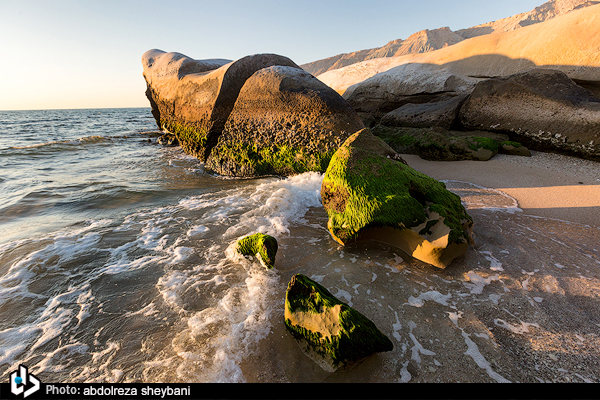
261, 244
277, 160
358, 336
510, 143
192, 139
483, 142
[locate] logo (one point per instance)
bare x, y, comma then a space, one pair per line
19, 379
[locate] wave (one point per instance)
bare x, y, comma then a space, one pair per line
76, 142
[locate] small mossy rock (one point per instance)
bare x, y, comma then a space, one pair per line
329, 331
263, 245
369, 194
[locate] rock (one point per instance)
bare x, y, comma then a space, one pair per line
285, 121
332, 333
514, 149
260, 245
438, 144
369, 193
298, 117
168, 139
542, 108
407, 84
442, 113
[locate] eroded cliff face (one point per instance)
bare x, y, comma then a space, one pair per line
258, 115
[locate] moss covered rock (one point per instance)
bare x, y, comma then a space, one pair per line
261, 245
259, 115
439, 144
329, 331
369, 192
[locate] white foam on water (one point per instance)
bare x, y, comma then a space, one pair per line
476, 282
432, 295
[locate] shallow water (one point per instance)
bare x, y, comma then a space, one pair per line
117, 264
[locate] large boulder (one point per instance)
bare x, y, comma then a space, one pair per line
406, 84
369, 192
442, 112
329, 331
284, 121
197, 100
543, 108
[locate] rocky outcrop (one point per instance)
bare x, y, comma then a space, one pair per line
259, 245
261, 114
438, 144
405, 84
369, 192
285, 121
441, 112
332, 333
542, 108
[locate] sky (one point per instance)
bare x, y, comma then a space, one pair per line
59, 54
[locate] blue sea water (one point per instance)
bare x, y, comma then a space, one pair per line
118, 264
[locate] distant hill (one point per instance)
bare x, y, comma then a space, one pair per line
429, 40
568, 43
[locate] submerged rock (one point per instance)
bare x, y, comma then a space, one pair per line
260, 245
543, 108
369, 192
332, 333
258, 115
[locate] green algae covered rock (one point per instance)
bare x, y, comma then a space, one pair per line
369, 192
259, 115
264, 246
332, 333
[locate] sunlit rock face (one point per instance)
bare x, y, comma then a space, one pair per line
258, 115
543, 108
369, 192
329, 331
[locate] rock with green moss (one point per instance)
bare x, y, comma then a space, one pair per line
260, 245
439, 144
369, 192
329, 331
259, 115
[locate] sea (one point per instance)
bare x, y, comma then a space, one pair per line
118, 264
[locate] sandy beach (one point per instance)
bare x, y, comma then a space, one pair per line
545, 184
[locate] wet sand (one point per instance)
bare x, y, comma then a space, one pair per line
520, 306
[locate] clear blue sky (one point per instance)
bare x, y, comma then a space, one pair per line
86, 54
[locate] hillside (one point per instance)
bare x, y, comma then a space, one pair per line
430, 40
568, 42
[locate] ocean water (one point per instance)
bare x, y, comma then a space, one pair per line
118, 264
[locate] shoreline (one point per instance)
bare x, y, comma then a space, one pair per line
545, 185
